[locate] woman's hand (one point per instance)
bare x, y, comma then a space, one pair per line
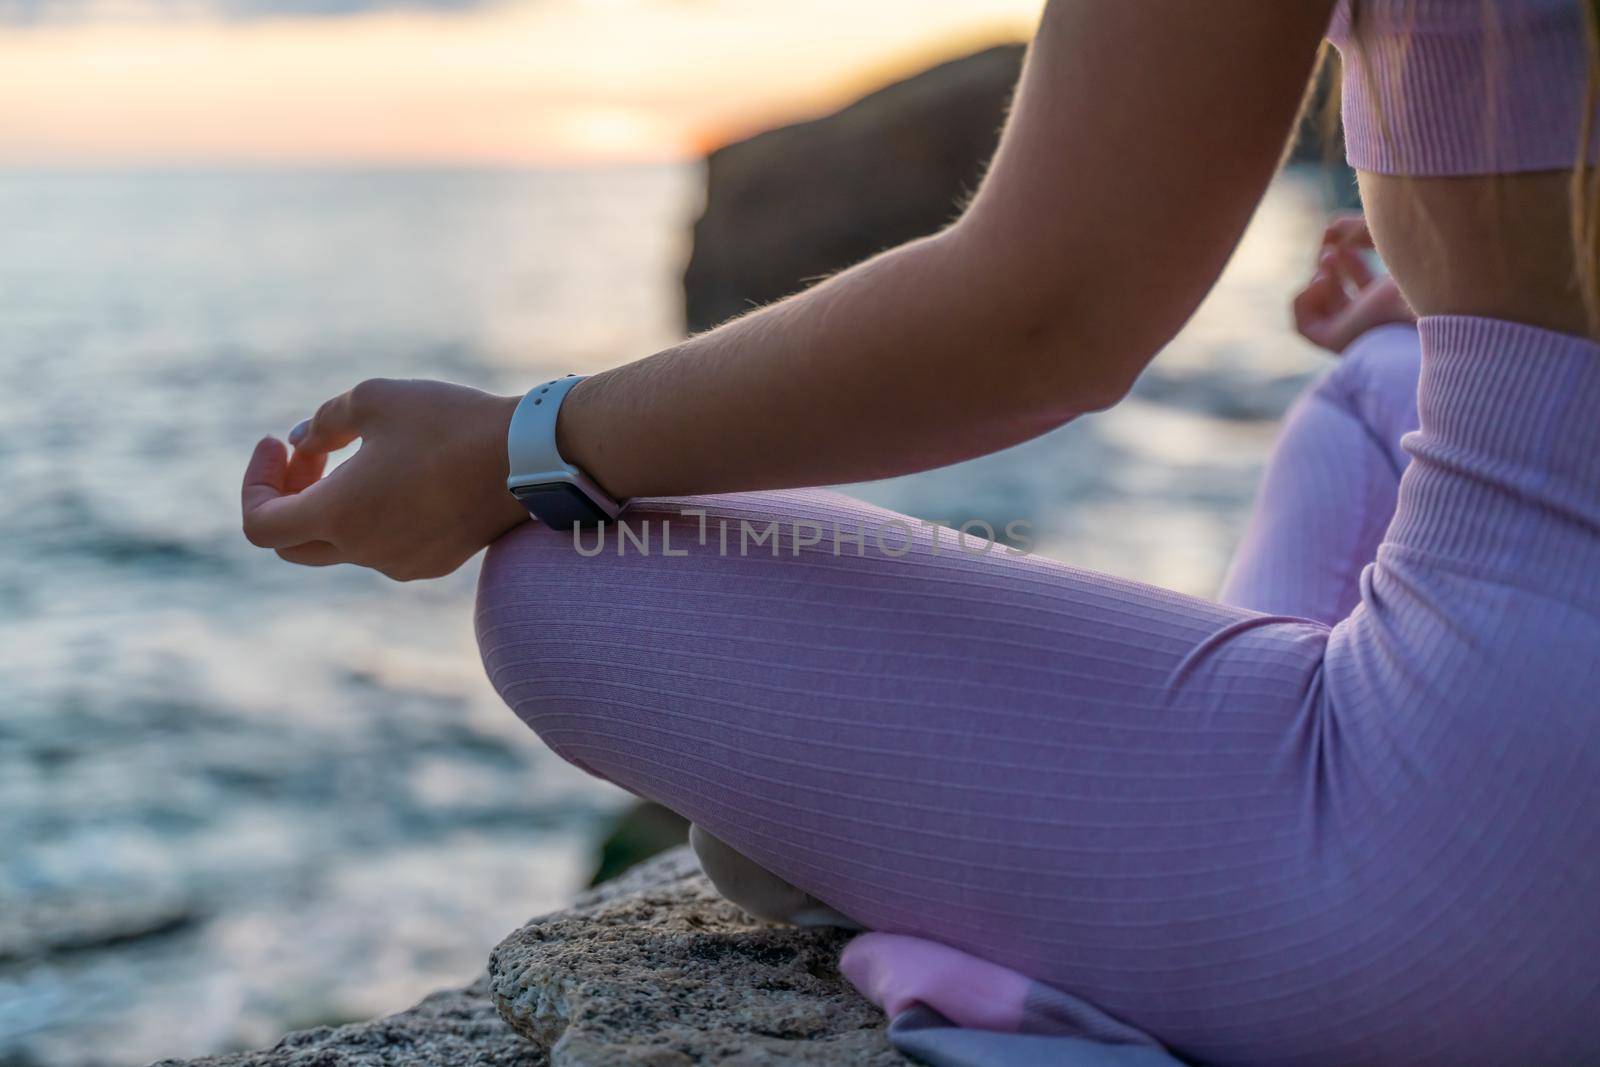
1343, 299
425, 492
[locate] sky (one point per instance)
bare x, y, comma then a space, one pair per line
447, 82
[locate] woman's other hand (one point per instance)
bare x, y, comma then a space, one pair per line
423, 494
1344, 299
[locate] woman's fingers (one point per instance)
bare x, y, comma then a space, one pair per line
1318, 308
424, 492
1345, 297
1349, 231
304, 470
1341, 252
1328, 266
1380, 304
1321, 297
313, 554
338, 421
1352, 268
266, 474
274, 517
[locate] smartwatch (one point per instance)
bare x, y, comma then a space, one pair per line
554, 491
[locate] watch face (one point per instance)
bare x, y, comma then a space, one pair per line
560, 505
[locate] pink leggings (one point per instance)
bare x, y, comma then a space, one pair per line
1347, 816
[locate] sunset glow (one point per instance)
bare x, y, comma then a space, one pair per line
553, 82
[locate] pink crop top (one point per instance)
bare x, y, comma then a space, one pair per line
1456, 87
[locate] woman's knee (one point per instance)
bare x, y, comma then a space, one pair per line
562, 620
1376, 377
1375, 383
525, 602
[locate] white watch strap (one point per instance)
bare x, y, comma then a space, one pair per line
531, 441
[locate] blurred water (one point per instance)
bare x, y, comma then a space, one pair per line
238, 797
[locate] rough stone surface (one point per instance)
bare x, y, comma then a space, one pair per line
650, 970
459, 1028
669, 974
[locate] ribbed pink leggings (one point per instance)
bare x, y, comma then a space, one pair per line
1350, 815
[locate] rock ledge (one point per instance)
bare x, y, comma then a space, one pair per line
651, 970
671, 974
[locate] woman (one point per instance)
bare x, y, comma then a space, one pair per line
1253, 838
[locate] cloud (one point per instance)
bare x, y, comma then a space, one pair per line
40, 12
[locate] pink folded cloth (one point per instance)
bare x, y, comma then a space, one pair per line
952, 1009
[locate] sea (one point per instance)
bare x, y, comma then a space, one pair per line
239, 798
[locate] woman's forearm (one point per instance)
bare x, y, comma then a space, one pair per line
1082, 254
909, 361
1080, 257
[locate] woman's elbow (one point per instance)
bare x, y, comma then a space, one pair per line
1066, 349
1064, 371
1100, 387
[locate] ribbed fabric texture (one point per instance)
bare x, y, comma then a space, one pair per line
1258, 838
1330, 486
1458, 87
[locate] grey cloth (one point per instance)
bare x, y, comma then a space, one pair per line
928, 1037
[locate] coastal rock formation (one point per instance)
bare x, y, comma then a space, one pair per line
794, 204
671, 974
790, 206
458, 1028
651, 970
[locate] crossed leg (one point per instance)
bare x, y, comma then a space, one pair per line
1059, 771
1331, 483
1326, 499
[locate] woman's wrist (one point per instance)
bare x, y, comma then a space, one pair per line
496, 459
579, 443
